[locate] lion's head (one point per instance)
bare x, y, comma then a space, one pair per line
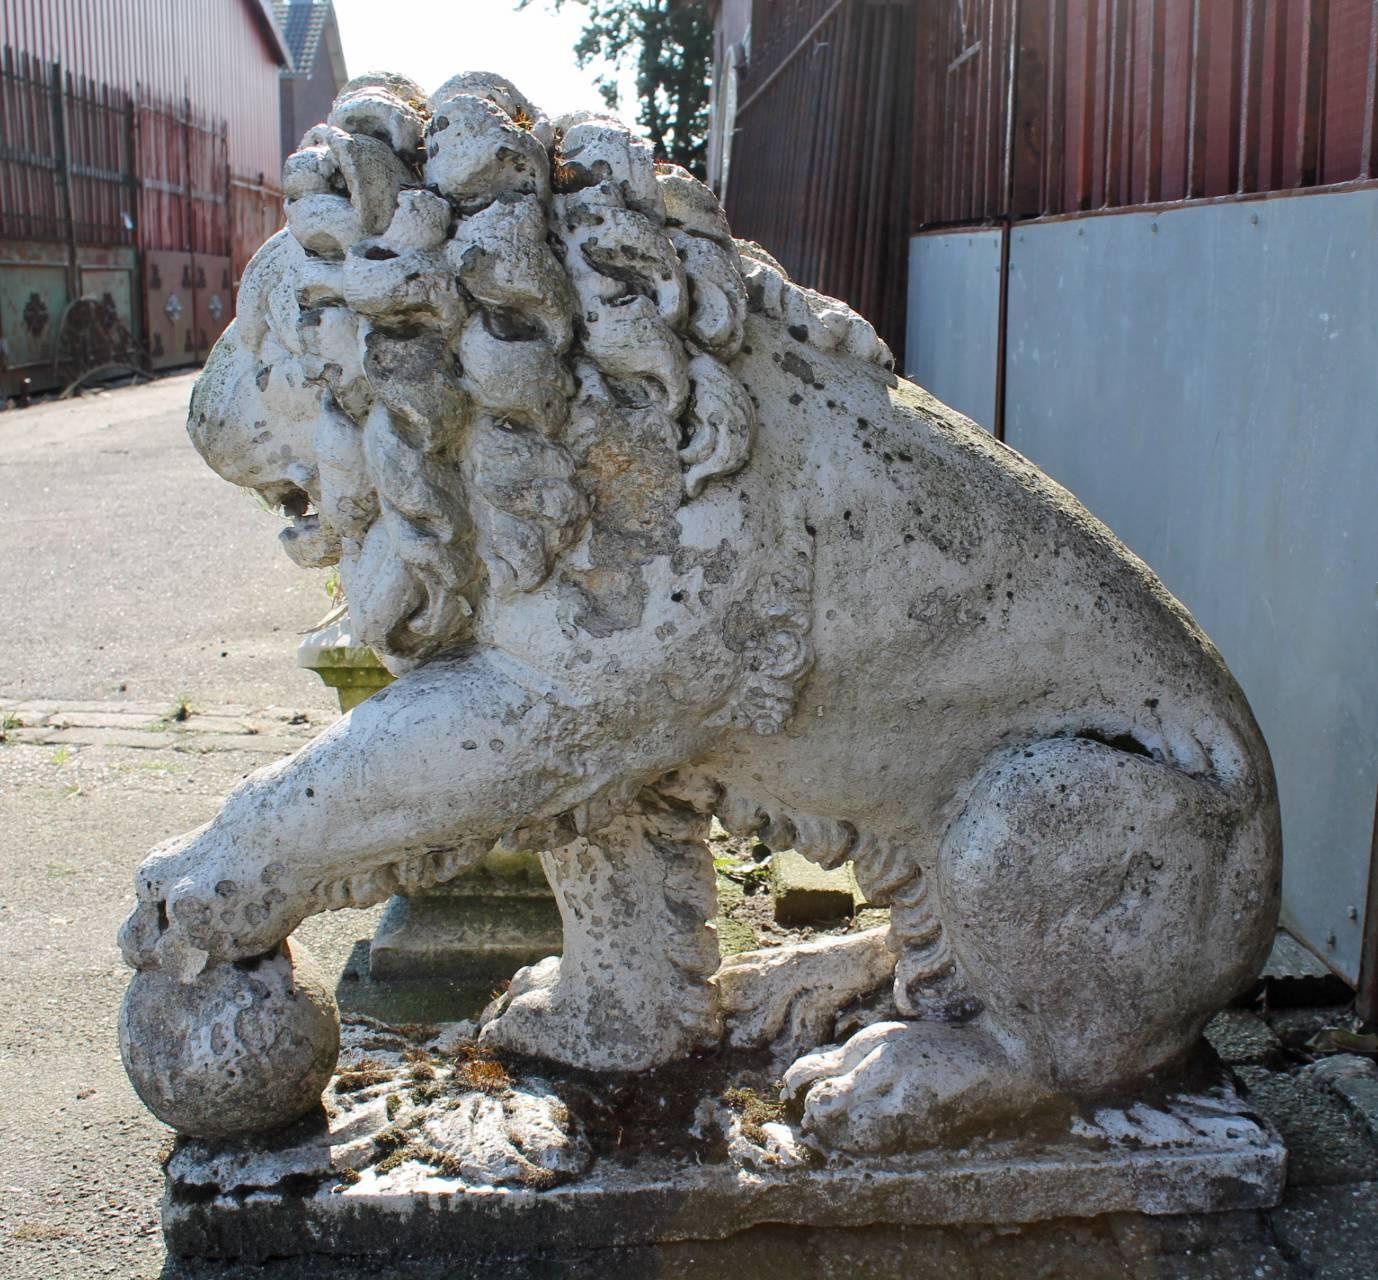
479, 325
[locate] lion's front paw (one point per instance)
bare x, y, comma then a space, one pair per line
527, 1018
902, 1086
199, 901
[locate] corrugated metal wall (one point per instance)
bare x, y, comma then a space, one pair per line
1033, 107
861, 121
218, 53
821, 145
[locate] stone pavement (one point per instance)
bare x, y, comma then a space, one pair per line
140, 679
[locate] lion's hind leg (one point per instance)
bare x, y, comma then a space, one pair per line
1104, 904
1099, 904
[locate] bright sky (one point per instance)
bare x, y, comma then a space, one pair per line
431, 40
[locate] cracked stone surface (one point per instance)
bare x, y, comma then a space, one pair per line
651, 535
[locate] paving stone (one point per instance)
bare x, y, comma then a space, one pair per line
1332, 1232
1071, 1250
261, 743
47, 707
1354, 1080
804, 891
147, 726
784, 1253
1325, 1143
1142, 1237
138, 739
1224, 1246
1243, 1038
65, 719
1294, 1027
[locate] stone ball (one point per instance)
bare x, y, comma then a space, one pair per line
247, 1045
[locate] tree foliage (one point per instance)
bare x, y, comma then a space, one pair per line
669, 43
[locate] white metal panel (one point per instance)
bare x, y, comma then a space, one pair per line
1206, 381
952, 319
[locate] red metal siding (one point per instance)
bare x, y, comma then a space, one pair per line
861, 121
1127, 102
819, 158
255, 214
184, 184
215, 52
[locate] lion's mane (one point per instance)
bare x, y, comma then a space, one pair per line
478, 290
483, 298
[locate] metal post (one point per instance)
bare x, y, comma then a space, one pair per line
1367, 1003
1007, 221
139, 301
64, 179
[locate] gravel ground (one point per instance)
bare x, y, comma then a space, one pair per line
135, 579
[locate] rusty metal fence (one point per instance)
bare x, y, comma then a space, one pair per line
122, 229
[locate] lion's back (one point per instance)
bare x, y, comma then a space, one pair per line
961, 596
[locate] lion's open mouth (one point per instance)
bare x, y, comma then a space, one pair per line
306, 541
292, 501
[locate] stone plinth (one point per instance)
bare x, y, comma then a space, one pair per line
805, 892
477, 925
435, 1150
343, 663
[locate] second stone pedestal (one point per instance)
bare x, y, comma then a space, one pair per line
487, 923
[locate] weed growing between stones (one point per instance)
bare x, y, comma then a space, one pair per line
755, 1111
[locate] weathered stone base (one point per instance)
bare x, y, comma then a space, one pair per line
371, 1181
661, 1201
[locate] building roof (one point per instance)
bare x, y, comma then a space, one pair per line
304, 25
263, 13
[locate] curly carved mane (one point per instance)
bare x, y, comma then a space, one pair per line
482, 291
512, 323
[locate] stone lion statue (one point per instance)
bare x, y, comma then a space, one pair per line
651, 535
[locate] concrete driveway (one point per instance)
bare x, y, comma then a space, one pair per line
132, 581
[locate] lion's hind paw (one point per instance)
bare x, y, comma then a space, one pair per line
902, 1086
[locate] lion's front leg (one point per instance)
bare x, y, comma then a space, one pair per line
631, 990
409, 789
